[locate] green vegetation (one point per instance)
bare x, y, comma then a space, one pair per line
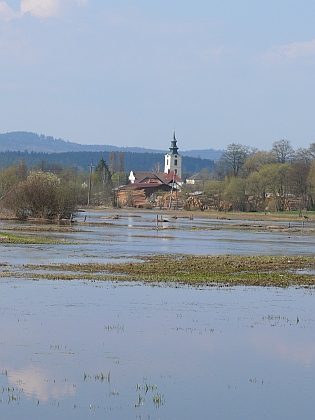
244, 179
221, 270
12, 238
250, 180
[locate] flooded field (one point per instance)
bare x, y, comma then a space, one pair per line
109, 350
102, 236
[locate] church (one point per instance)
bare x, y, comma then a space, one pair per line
172, 169
146, 187
173, 160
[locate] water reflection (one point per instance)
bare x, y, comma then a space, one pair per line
74, 349
99, 241
35, 383
282, 348
90, 349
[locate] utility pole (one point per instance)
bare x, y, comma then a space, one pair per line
170, 203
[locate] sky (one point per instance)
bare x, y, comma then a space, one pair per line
126, 73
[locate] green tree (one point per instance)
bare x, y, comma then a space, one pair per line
255, 188
119, 178
235, 194
215, 190
103, 172
298, 180
275, 181
11, 176
257, 159
102, 183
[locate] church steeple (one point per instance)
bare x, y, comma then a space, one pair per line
174, 148
173, 161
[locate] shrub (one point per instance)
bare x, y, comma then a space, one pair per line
41, 196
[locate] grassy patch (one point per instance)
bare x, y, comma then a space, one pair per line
227, 270
12, 238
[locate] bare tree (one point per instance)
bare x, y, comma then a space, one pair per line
234, 157
157, 167
121, 162
283, 150
112, 165
307, 155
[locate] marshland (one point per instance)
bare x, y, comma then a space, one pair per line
136, 314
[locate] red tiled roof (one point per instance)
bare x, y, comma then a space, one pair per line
143, 185
162, 176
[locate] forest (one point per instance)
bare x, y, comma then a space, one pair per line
82, 160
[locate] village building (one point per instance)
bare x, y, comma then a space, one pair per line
172, 170
146, 186
194, 179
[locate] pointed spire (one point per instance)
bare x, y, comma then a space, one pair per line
174, 148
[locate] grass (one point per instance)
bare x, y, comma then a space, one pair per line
193, 270
12, 238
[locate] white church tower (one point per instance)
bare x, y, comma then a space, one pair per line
173, 161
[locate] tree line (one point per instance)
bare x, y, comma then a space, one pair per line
244, 179
81, 160
248, 179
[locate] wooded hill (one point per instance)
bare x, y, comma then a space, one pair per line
20, 141
82, 160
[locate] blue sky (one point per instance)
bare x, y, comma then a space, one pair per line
127, 72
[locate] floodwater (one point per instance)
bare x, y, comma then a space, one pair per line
104, 350
136, 234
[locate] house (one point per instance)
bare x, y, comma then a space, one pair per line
145, 186
170, 178
193, 180
172, 170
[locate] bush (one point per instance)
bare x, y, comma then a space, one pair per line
41, 196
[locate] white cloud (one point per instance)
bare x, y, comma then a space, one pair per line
6, 13
290, 51
41, 8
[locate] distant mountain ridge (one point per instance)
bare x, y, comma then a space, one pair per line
21, 141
